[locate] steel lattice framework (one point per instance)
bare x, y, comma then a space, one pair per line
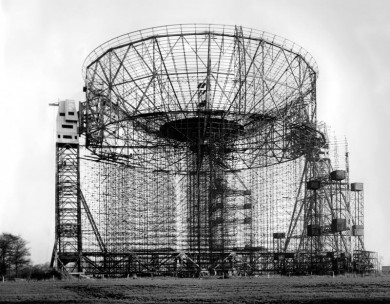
155, 90
200, 141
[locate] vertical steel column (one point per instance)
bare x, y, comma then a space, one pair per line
67, 253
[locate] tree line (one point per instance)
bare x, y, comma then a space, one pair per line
15, 261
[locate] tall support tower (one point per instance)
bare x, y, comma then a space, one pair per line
363, 260
357, 208
68, 242
326, 239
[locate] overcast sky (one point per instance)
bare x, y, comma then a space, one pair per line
43, 45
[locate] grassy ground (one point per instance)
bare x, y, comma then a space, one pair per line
170, 290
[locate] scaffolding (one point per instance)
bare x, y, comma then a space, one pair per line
201, 154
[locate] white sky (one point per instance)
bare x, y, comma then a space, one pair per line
44, 43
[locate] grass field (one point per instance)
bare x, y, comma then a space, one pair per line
209, 290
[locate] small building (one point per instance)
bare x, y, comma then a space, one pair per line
67, 123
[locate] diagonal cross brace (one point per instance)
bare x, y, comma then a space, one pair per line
93, 224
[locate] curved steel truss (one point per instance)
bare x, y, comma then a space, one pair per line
207, 78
